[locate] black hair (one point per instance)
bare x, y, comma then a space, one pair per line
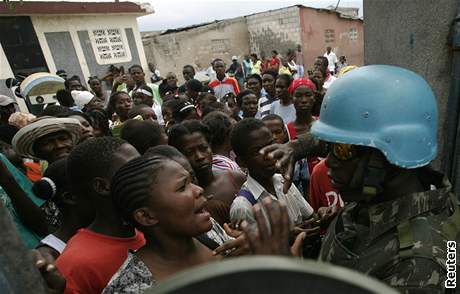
93, 78
141, 134
324, 61
171, 103
254, 55
65, 98
136, 110
241, 95
165, 151
7, 133
285, 77
72, 78
182, 109
220, 126
177, 132
189, 66
216, 60
54, 110
206, 89
135, 66
72, 113
164, 88
145, 87
213, 107
54, 183
132, 183
239, 137
274, 51
254, 76
99, 120
273, 116
90, 159
194, 85
270, 72
113, 100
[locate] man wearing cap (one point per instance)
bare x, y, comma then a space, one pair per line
47, 138
401, 221
7, 108
86, 100
236, 70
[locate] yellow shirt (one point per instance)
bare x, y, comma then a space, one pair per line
284, 70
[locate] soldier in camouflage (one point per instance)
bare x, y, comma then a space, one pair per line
380, 125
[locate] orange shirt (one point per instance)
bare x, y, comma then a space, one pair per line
90, 259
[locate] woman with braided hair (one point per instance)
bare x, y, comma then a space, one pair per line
170, 215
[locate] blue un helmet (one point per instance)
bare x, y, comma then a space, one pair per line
385, 107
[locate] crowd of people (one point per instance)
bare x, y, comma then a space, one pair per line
116, 193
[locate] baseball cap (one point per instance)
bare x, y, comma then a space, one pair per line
5, 100
234, 57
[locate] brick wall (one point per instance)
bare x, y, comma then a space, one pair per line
277, 29
198, 46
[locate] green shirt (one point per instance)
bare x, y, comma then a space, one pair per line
29, 238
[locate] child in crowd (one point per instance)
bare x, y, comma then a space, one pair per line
167, 110
283, 107
143, 134
220, 126
277, 127
230, 100
121, 104
144, 95
192, 139
248, 104
248, 137
183, 111
142, 111
265, 101
95, 253
55, 186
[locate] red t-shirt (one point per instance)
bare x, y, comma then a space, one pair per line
275, 62
91, 259
322, 194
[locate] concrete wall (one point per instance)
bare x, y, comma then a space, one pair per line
63, 52
198, 46
321, 28
278, 29
414, 35
74, 25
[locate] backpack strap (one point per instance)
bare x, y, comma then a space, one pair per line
248, 195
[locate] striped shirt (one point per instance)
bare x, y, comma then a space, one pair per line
227, 85
222, 164
265, 102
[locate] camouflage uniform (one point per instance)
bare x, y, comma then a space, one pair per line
402, 242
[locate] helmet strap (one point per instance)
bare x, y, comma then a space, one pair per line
374, 175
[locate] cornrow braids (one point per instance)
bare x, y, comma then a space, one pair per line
177, 132
131, 185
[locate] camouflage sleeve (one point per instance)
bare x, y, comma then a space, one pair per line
307, 145
417, 275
